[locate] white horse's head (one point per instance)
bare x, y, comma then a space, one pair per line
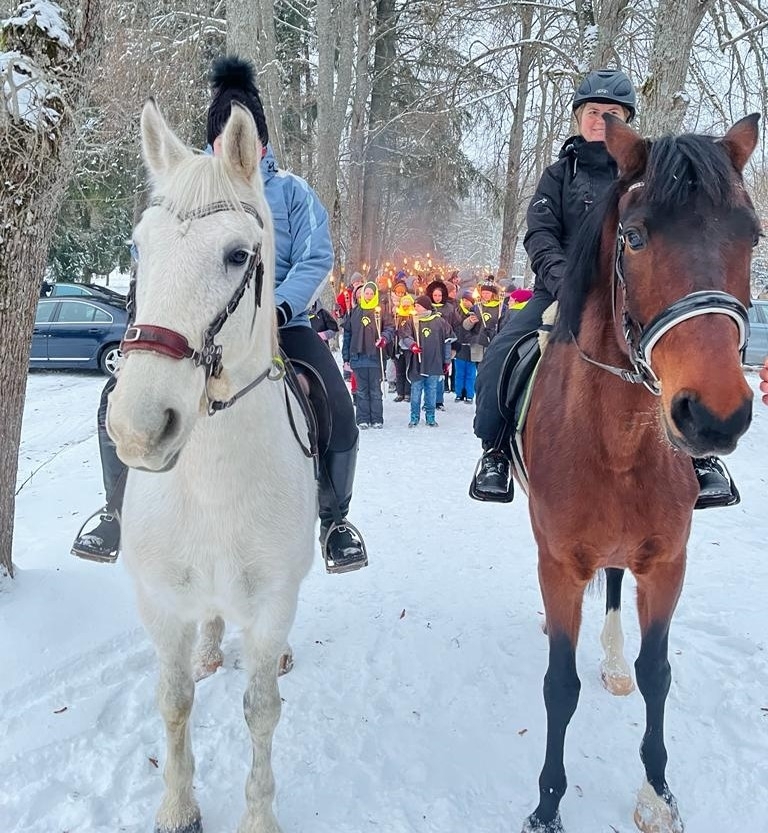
206, 235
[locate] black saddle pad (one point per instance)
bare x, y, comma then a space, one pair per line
515, 373
317, 411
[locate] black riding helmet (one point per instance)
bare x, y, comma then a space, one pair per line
607, 86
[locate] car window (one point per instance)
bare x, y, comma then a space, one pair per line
68, 289
76, 312
758, 314
44, 311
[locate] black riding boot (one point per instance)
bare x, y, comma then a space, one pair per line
102, 542
493, 478
716, 486
342, 544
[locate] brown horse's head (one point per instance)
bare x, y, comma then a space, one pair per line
686, 230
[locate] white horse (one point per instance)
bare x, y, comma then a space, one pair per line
220, 507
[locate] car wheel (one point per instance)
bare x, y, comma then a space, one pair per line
110, 358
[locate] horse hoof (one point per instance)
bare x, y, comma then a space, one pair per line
618, 684
533, 825
655, 813
194, 826
285, 665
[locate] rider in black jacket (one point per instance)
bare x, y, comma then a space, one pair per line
564, 196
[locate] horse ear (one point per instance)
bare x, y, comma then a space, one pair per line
162, 149
625, 145
741, 140
240, 145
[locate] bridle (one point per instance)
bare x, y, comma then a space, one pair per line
641, 339
152, 338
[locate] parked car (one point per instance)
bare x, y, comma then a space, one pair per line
104, 293
757, 345
78, 332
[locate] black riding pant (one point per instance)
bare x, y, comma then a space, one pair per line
299, 343
489, 422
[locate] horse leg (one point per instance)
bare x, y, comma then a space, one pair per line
208, 657
614, 669
563, 597
657, 593
173, 640
264, 647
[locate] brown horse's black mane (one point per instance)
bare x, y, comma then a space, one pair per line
694, 171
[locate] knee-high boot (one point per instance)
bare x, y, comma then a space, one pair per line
343, 545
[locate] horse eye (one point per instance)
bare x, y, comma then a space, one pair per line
634, 239
238, 257
756, 240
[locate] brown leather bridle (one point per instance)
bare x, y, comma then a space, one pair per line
152, 338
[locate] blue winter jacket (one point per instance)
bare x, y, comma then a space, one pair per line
303, 248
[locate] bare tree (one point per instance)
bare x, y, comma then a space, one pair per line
665, 99
43, 70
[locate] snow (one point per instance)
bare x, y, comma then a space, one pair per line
415, 705
26, 90
47, 16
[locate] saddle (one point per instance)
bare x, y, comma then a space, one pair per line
518, 375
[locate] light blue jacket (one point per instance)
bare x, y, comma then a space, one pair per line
303, 248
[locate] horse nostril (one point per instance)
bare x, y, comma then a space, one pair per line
171, 427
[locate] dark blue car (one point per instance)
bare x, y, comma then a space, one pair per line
78, 332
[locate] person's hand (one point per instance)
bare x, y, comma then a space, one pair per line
415, 349
323, 335
447, 368
381, 343
473, 318
346, 368
764, 383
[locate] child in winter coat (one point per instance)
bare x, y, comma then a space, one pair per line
465, 321
426, 339
365, 336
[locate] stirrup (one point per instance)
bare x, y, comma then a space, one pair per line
489, 497
334, 567
100, 556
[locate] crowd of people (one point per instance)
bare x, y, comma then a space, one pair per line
418, 339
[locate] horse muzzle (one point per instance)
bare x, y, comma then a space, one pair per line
695, 429
148, 447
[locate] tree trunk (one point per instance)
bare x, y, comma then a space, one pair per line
36, 162
378, 132
357, 139
511, 224
610, 15
243, 29
665, 99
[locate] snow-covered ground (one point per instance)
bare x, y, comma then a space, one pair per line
415, 703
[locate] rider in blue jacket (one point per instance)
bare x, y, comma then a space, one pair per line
303, 260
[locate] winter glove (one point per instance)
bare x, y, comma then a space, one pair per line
284, 314
415, 349
381, 343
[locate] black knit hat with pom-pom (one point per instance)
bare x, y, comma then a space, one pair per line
233, 80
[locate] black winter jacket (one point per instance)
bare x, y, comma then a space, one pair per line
566, 191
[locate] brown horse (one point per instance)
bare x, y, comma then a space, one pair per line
642, 373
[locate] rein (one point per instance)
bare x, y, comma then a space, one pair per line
155, 339
641, 340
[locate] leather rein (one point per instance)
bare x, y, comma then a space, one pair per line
641, 340
155, 339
